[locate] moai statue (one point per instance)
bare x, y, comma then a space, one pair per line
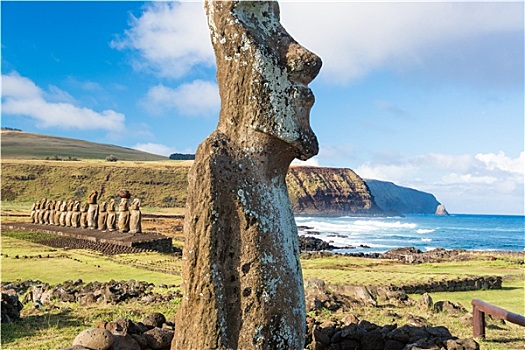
242, 278
58, 205
69, 213
102, 216
123, 215
75, 217
84, 214
92, 215
111, 221
43, 204
47, 212
135, 221
51, 220
63, 213
33, 212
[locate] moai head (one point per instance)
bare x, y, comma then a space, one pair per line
84, 207
76, 206
102, 207
263, 74
93, 197
135, 205
111, 205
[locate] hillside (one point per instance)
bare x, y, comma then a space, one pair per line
392, 197
24, 145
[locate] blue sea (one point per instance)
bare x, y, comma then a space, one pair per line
425, 232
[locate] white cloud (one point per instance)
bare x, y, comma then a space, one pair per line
398, 35
197, 98
155, 148
21, 96
484, 183
501, 162
170, 38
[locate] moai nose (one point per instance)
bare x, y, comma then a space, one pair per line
303, 64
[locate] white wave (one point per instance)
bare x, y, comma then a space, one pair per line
385, 224
426, 239
424, 230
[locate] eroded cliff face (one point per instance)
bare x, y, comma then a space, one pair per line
329, 191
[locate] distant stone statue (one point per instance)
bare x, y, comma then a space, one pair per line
93, 210
243, 286
41, 210
135, 221
58, 205
123, 215
111, 220
69, 213
63, 213
47, 211
33, 212
51, 216
83, 215
102, 216
75, 217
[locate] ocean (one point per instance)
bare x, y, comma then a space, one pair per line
425, 232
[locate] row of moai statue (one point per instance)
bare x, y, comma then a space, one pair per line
90, 214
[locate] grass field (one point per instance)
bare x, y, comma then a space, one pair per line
55, 326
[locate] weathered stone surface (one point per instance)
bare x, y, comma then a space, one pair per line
158, 338
111, 219
154, 320
94, 338
242, 275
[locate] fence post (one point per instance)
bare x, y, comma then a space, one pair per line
478, 322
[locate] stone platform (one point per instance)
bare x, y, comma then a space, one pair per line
142, 241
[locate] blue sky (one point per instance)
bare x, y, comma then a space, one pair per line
429, 95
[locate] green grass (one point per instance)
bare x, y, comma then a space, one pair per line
56, 326
58, 265
24, 145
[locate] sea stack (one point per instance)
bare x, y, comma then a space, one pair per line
243, 285
441, 210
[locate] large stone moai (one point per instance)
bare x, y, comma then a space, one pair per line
243, 285
102, 216
84, 207
58, 205
92, 215
111, 219
75, 218
135, 220
123, 211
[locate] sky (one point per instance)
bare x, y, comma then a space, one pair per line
428, 95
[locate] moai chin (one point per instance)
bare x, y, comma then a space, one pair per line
242, 277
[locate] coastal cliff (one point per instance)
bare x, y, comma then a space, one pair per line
404, 200
329, 191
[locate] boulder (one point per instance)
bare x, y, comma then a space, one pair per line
95, 338
158, 338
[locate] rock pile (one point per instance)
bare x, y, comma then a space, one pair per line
154, 332
411, 255
11, 306
333, 334
111, 292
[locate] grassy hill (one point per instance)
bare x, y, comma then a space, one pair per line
24, 145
